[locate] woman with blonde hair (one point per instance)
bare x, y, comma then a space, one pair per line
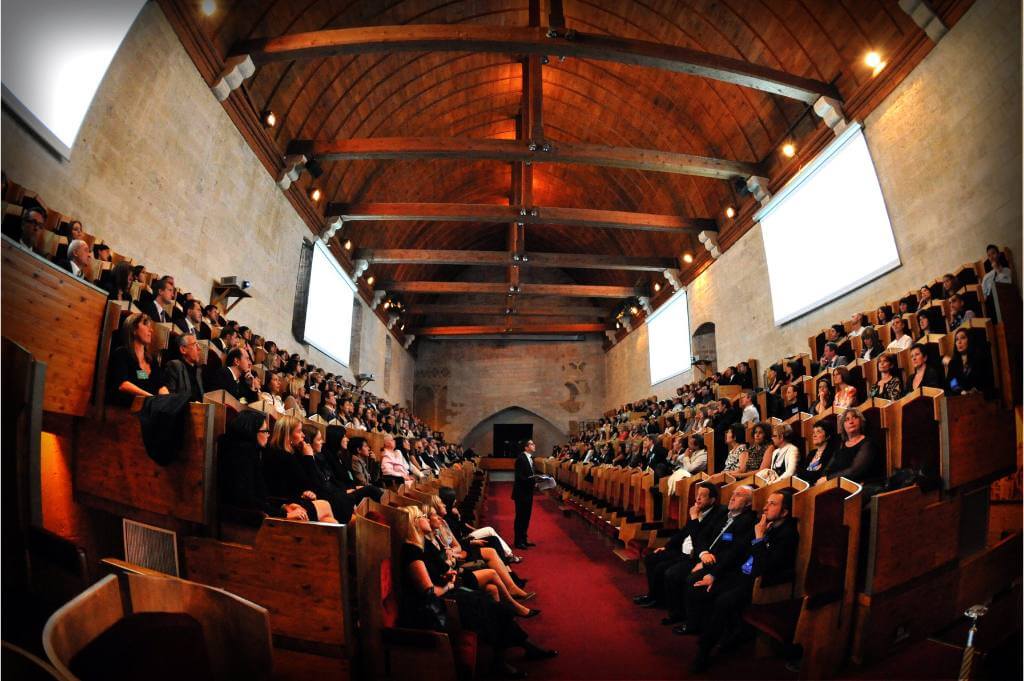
427, 578
285, 473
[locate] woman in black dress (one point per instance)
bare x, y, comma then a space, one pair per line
427, 578
284, 471
925, 375
132, 370
970, 367
823, 443
243, 491
857, 457
335, 463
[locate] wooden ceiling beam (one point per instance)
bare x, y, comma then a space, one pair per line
582, 261
470, 287
594, 327
491, 213
497, 309
532, 40
393, 148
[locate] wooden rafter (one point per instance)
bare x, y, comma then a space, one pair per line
393, 148
469, 287
413, 256
461, 309
492, 213
588, 327
532, 40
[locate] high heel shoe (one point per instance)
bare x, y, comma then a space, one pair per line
525, 597
532, 613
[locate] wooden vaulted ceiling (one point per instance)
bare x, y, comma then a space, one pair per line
463, 93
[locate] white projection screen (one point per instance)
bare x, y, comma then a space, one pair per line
827, 232
54, 55
668, 339
329, 306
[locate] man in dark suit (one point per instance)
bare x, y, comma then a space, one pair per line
522, 494
181, 375
236, 376
705, 513
191, 320
722, 548
226, 340
830, 357
163, 292
720, 597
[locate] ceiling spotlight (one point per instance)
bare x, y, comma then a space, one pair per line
788, 150
657, 287
730, 212
402, 327
269, 118
315, 194
370, 280
348, 245
634, 310
209, 7
874, 61
687, 258
387, 304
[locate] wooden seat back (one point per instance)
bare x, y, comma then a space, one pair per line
912, 431
59, 319
236, 631
298, 571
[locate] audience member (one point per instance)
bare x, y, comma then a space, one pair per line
844, 394
958, 314
236, 377
830, 359
119, 283
163, 297
890, 382
132, 370
823, 446
901, 340
857, 457
970, 367
286, 474
785, 455
736, 461
998, 270
750, 413
924, 375
181, 375
824, 400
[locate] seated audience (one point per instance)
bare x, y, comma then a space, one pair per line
285, 473
181, 375
119, 283
958, 314
365, 468
477, 536
970, 367
859, 324
236, 377
132, 371
79, 259
823, 446
784, 455
830, 359
998, 270
163, 297
844, 394
716, 602
924, 323
857, 458
762, 436
890, 380
790, 404
924, 374
736, 461
427, 578
950, 285
884, 315
243, 490
33, 222
743, 377
824, 400
924, 296
750, 413
393, 465
695, 458
190, 321
705, 514
901, 340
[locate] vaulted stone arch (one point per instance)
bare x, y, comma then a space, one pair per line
545, 433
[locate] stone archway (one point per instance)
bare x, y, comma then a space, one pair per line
704, 348
545, 433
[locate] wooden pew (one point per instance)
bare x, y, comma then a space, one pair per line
913, 420
298, 571
235, 632
817, 614
59, 319
114, 473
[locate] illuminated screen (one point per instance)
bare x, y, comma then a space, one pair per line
827, 232
668, 339
329, 303
55, 53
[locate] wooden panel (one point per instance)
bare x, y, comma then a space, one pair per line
515, 327
48, 312
501, 259
978, 441
296, 570
111, 464
372, 545
900, 522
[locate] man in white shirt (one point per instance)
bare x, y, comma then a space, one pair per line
79, 258
750, 414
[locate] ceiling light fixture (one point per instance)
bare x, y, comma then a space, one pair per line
874, 61
687, 258
370, 280
209, 7
348, 245
788, 150
730, 212
315, 194
657, 287
269, 118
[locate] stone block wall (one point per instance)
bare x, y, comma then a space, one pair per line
947, 148
161, 173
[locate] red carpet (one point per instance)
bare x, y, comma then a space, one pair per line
588, 615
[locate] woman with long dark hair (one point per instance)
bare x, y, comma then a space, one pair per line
970, 367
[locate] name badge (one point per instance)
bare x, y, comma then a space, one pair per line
141, 374
748, 566
727, 536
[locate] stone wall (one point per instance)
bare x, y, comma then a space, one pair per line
459, 384
161, 173
947, 148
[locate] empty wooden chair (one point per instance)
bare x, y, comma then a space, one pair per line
136, 626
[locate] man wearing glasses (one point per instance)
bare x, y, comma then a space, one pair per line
522, 494
32, 223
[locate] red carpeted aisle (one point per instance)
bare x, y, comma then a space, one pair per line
588, 615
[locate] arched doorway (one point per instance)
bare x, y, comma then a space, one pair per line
545, 434
704, 349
